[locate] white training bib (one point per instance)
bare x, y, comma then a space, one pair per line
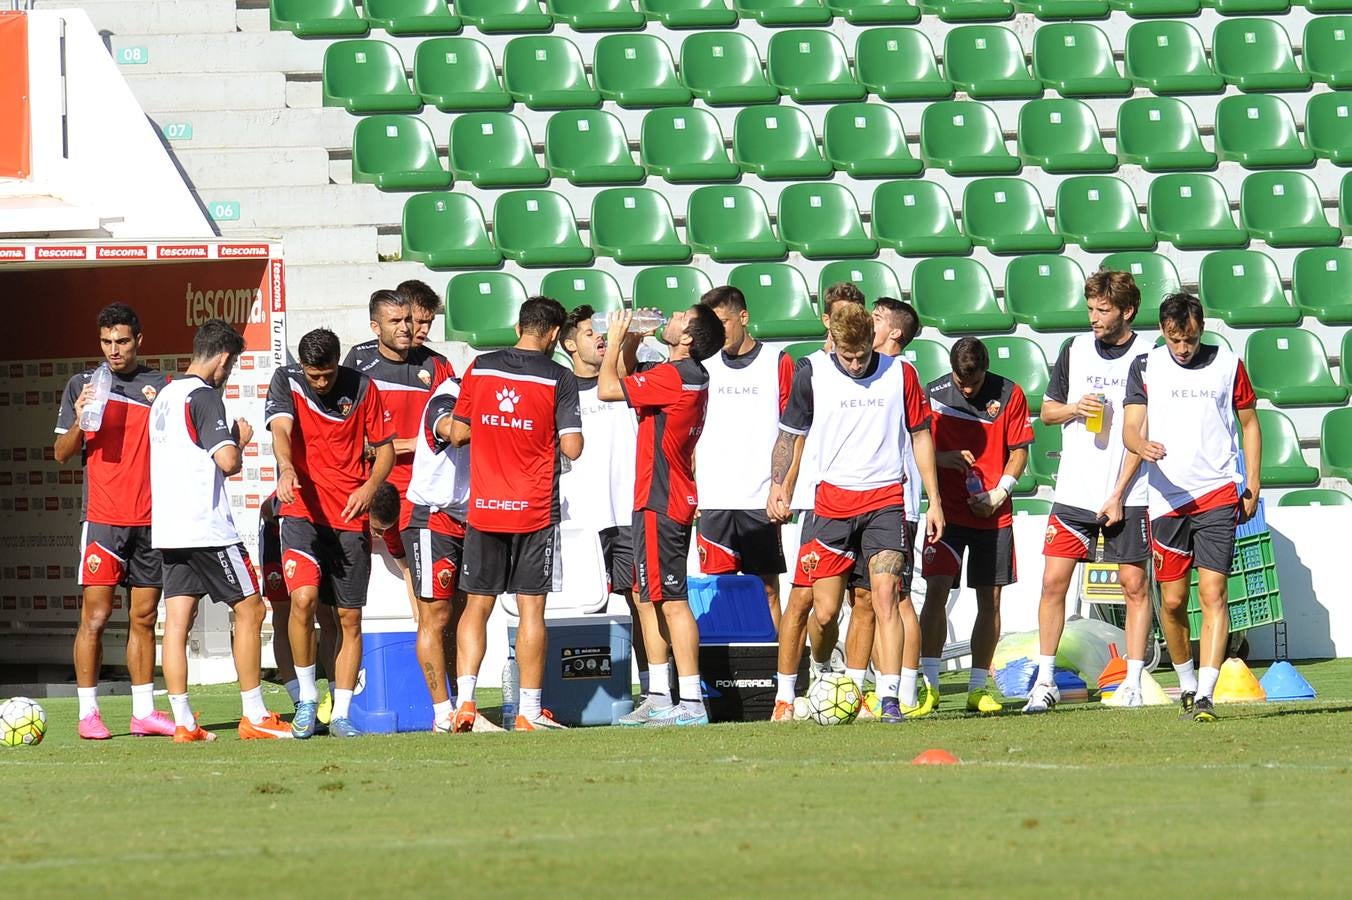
190, 507
440, 478
732, 459
860, 423
597, 491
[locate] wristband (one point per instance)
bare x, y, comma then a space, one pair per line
1006, 484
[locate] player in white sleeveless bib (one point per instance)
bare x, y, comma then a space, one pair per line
1101, 487
1182, 401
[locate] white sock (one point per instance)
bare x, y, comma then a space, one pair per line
889, 685
930, 666
342, 703
441, 711
530, 703
143, 700
644, 679
293, 690
1187, 678
907, 688
856, 675
692, 697
786, 687
1206, 680
1134, 669
1046, 669
307, 692
464, 688
182, 711
252, 705
977, 680
89, 700
659, 682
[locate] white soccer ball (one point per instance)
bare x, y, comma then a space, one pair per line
23, 723
834, 700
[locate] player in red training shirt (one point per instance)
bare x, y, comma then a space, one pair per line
671, 399
115, 537
322, 417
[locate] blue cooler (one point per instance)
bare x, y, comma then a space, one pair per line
391, 692
588, 679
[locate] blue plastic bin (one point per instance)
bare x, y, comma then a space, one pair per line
731, 609
391, 693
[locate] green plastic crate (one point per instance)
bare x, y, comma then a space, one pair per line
1254, 595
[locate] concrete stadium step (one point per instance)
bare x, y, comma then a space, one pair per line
209, 168
166, 93
162, 17
262, 51
307, 206
342, 245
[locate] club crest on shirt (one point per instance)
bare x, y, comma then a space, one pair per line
275, 578
808, 562
1159, 559
149, 393
928, 555
1051, 533
993, 408
425, 377
345, 405
93, 563
703, 555
446, 576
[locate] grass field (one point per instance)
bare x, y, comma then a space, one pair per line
1083, 802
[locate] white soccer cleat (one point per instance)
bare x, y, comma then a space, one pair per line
1041, 699
482, 725
1129, 697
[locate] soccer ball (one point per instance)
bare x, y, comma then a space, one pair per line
834, 700
22, 723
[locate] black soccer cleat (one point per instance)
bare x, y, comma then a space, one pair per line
1203, 710
1189, 701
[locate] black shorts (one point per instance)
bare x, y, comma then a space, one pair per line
225, 573
433, 561
617, 548
990, 560
1073, 533
498, 562
738, 540
661, 548
112, 555
1205, 539
337, 562
270, 560
830, 547
859, 577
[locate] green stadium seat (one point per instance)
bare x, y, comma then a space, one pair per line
396, 153
969, 10
367, 77
411, 17
1258, 132
690, 13
317, 18
1007, 215
481, 308
493, 150
589, 146
1075, 60
811, 66
446, 230
777, 142
685, 145
1208, 337
596, 15
1155, 276
723, 68
1150, 9
800, 349
1099, 213
1023, 362
1032, 506
1345, 360
1243, 289
963, 137
457, 74
1314, 497
1062, 10
1044, 456
1328, 126
873, 278
957, 297
784, 12
915, 218
1167, 57
1062, 136
866, 140
596, 288
1345, 204
504, 16
1284, 210
1335, 444
1289, 367
1046, 292
1160, 134
1326, 50
547, 72
669, 288
777, 299
1192, 212
1328, 6
987, 62
821, 221
1248, 7
930, 359
1254, 54
875, 12
1283, 463
1321, 285
731, 224
634, 226
899, 64
637, 72
537, 228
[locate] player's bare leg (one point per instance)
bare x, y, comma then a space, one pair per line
793, 626
95, 612
934, 628
1174, 624
884, 574
1211, 596
985, 635
281, 647
676, 624
640, 641
859, 643
532, 644
771, 583
179, 614
913, 704
471, 643
433, 621
143, 606
346, 667
657, 656
300, 629
1136, 592
1057, 572
255, 721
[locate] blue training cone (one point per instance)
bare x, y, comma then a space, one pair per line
1282, 682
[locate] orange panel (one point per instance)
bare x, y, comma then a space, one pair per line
15, 125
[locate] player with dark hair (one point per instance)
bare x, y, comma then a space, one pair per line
322, 417
192, 452
426, 307
1182, 402
518, 410
115, 542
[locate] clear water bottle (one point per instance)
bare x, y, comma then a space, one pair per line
644, 320
511, 678
91, 417
974, 483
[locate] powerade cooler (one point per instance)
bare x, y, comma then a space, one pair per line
391, 692
588, 679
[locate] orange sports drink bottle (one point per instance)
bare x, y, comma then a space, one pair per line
1094, 424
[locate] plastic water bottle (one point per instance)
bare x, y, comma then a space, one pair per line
974, 484
644, 320
511, 677
91, 417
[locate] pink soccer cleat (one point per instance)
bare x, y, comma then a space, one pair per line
91, 728
157, 724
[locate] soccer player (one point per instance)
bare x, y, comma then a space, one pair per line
274, 591
981, 433
858, 403
1181, 404
1101, 489
322, 417
748, 390
518, 410
426, 307
192, 451
115, 546
670, 399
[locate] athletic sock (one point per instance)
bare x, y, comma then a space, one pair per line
888, 685
183, 716
1133, 679
977, 680
143, 700
1206, 681
1046, 669
930, 666
293, 690
342, 703
252, 705
530, 703
692, 697
908, 687
464, 689
89, 700
1187, 678
659, 683
856, 675
787, 686
644, 680
307, 692
441, 711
